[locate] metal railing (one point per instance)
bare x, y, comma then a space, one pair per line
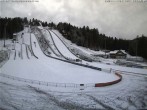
65, 85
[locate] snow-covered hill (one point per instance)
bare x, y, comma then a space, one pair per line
43, 72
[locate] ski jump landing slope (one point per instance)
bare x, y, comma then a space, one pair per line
48, 38
63, 49
51, 70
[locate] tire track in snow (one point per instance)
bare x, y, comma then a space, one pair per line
99, 102
63, 104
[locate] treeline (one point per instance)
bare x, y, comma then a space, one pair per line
8, 26
138, 46
82, 36
91, 38
36, 22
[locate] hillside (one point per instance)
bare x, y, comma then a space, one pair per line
39, 71
82, 36
93, 39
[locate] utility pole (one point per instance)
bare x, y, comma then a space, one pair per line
5, 34
136, 47
105, 47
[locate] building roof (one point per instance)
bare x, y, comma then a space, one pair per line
14, 34
100, 53
115, 51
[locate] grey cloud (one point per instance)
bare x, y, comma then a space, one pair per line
123, 20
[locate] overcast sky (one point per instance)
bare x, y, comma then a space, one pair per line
121, 20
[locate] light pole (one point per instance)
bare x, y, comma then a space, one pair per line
5, 34
136, 48
105, 47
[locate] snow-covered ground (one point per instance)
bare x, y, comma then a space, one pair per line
56, 71
105, 63
51, 70
48, 37
129, 94
63, 49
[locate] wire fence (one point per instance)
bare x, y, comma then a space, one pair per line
65, 85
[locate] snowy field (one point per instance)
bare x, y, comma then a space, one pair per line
57, 71
28, 62
130, 94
